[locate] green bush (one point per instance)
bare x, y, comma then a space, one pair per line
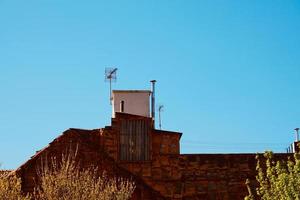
278, 180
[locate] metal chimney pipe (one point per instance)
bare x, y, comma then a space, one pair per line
153, 101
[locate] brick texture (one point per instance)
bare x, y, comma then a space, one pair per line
166, 175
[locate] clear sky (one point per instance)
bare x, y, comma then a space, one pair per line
228, 72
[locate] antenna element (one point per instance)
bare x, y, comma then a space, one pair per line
297, 134
160, 109
110, 76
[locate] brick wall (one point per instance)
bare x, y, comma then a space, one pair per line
90, 153
194, 176
167, 174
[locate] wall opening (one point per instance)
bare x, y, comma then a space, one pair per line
122, 106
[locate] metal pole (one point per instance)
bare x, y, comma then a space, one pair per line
110, 96
159, 112
297, 134
159, 120
153, 102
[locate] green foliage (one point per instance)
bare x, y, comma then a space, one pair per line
276, 180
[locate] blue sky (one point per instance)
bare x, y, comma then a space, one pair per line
228, 72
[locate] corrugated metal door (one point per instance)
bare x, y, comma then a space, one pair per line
134, 140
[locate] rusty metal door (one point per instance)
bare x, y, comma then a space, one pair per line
134, 140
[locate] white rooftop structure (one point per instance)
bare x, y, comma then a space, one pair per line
136, 102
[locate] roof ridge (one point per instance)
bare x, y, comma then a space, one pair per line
43, 149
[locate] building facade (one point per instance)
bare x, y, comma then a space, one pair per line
131, 147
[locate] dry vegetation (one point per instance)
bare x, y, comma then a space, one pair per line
10, 188
63, 180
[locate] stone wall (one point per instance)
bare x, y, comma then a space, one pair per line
202, 176
194, 176
90, 153
166, 175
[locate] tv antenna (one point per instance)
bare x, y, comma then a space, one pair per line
160, 109
297, 134
110, 76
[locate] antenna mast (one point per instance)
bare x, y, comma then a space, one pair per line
110, 76
153, 102
297, 134
160, 109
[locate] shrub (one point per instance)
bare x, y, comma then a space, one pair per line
65, 180
276, 180
10, 188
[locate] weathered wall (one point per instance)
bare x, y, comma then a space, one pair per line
90, 153
165, 143
197, 176
167, 173
194, 176
135, 102
202, 176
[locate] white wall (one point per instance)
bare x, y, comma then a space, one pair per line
136, 102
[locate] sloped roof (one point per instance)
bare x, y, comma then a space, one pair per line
89, 139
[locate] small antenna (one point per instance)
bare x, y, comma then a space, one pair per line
160, 109
110, 76
297, 134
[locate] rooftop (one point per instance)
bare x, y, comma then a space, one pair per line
131, 91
